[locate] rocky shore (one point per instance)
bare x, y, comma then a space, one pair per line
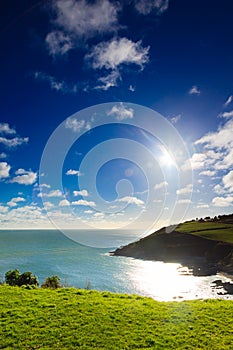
202, 256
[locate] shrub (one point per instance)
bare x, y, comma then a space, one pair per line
14, 278
27, 278
51, 282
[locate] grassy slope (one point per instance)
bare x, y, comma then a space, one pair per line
212, 230
72, 319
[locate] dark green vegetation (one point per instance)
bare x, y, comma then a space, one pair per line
205, 246
68, 318
15, 278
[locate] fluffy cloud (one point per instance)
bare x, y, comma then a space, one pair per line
121, 112
77, 125
14, 201
53, 193
222, 201
83, 193
73, 172
58, 43
24, 177
197, 161
64, 203
145, 7
112, 54
220, 139
14, 142
208, 173
80, 20
227, 114
185, 190
6, 129
194, 90
228, 181
161, 185
84, 203
131, 200
4, 170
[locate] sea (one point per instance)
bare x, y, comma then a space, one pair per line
50, 252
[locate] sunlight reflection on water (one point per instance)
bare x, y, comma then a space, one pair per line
170, 281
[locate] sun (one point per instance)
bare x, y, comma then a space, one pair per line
166, 159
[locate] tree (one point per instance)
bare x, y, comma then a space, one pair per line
51, 282
12, 277
27, 278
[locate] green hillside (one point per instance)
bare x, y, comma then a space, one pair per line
77, 319
217, 231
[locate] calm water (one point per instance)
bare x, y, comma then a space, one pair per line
47, 253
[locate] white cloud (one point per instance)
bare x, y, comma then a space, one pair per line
227, 114
13, 202
131, 200
73, 172
3, 155
176, 118
98, 215
55, 84
185, 190
145, 7
24, 177
16, 141
3, 209
161, 185
194, 90
77, 125
45, 186
88, 211
208, 173
228, 101
4, 170
6, 129
83, 193
121, 112
64, 203
48, 205
132, 88
220, 139
184, 201
195, 162
222, 201
219, 189
58, 43
202, 206
84, 203
53, 193
228, 181
80, 20
112, 54
108, 81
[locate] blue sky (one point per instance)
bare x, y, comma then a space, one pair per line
84, 77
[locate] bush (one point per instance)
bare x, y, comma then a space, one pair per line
51, 282
14, 278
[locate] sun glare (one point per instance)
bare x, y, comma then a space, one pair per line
166, 159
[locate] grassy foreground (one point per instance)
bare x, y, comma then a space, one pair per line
68, 318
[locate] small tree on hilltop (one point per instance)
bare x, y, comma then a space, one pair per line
27, 278
51, 282
12, 277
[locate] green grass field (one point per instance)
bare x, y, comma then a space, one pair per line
211, 230
79, 319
